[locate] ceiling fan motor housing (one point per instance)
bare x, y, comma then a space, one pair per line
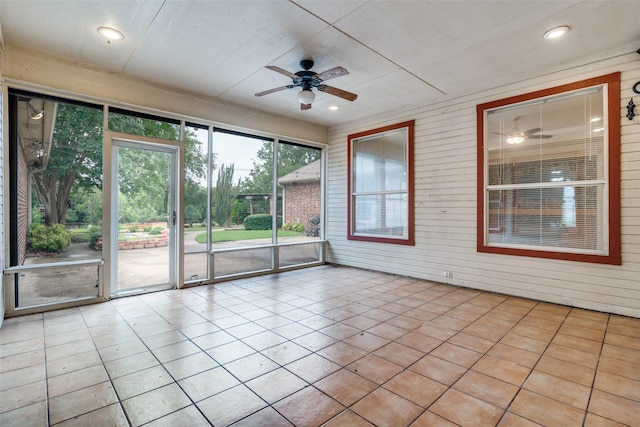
306, 79
306, 64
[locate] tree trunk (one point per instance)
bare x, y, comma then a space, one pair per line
54, 196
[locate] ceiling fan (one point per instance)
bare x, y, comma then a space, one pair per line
307, 80
516, 136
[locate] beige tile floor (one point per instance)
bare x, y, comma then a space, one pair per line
323, 346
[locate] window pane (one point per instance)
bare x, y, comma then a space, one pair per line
299, 178
59, 199
559, 217
552, 170
380, 192
140, 124
380, 164
51, 285
290, 256
384, 215
242, 261
563, 137
241, 185
196, 245
196, 266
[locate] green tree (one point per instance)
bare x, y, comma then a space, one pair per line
85, 206
144, 177
74, 163
195, 202
144, 171
223, 195
75, 160
290, 158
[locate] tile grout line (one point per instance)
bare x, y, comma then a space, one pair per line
164, 368
256, 351
595, 374
538, 361
46, 373
470, 368
103, 362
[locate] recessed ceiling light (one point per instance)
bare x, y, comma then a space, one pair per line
554, 33
110, 33
598, 129
596, 119
334, 108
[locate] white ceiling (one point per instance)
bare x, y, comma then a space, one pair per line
400, 54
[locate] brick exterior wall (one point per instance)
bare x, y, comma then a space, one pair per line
301, 201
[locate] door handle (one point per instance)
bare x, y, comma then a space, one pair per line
173, 218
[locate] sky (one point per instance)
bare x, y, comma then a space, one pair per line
241, 151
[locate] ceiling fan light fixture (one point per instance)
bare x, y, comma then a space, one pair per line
556, 32
306, 96
516, 136
110, 33
515, 139
35, 113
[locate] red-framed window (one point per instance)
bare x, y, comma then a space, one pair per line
549, 173
380, 181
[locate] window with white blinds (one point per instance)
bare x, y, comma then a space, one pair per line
381, 185
546, 174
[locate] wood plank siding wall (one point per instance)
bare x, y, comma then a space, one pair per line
445, 206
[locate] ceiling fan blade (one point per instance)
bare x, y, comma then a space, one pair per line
332, 73
281, 71
532, 131
338, 92
276, 89
530, 134
305, 106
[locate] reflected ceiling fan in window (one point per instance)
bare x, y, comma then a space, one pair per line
516, 136
306, 79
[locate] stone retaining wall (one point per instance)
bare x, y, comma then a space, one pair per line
150, 242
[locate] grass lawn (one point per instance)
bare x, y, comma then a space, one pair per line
79, 235
234, 235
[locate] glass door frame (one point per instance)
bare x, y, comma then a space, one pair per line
114, 141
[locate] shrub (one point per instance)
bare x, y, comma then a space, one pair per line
52, 238
192, 214
239, 211
287, 226
79, 235
260, 222
155, 231
94, 234
298, 227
